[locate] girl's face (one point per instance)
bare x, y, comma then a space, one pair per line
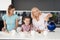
12, 11
36, 12
27, 21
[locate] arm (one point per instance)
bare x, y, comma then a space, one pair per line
4, 24
4, 28
16, 24
31, 27
21, 28
32, 16
48, 16
47, 19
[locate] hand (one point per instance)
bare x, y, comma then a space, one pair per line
3, 29
39, 31
15, 28
49, 15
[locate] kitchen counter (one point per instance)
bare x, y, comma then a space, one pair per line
49, 36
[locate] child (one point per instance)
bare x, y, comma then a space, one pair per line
10, 19
26, 26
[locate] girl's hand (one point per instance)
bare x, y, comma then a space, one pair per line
15, 28
3, 29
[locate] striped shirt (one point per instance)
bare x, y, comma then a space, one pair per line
26, 27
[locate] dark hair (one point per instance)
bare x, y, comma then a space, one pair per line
10, 7
26, 17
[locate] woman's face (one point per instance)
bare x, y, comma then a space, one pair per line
36, 12
12, 11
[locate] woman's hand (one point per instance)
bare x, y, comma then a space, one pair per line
39, 31
48, 16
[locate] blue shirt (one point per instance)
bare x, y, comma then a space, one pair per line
10, 21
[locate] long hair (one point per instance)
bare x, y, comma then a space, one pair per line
10, 7
32, 14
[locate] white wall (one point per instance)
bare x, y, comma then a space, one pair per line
4, 4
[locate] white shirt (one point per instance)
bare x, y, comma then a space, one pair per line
41, 24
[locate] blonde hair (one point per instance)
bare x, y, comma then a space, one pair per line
32, 14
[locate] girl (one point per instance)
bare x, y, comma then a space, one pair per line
26, 26
10, 19
39, 19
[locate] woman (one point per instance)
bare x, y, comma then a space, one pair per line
39, 19
10, 19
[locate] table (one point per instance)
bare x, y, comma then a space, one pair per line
50, 36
